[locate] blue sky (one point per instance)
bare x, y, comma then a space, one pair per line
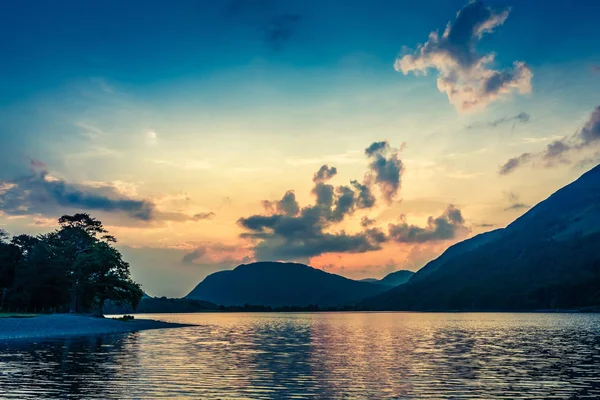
212, 107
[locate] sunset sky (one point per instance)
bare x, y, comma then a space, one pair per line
360, 137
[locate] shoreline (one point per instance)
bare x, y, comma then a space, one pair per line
66, 325
241, 310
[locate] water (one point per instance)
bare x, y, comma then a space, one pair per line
321, 355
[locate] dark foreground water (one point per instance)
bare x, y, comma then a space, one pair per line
327, 355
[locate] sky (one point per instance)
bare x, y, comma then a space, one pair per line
357, 137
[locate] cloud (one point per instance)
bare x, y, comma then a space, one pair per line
515, 163
40, 193
202, 216
385, 168
596, 68
521, 117
463, 74
279, 30
449, 225
289, 232
590, 133
324, 174
301, 233
366, 222
515, 204
219, 255
287, 205
561, 150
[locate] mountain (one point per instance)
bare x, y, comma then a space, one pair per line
369, 280
547, 259
281, 284
392, 279
396, 278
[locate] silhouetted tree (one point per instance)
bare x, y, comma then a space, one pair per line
75, 265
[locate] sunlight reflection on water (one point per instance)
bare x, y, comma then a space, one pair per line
323, 355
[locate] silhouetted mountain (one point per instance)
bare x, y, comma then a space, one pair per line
281, 284
397, 278
369, 280
392, 279
548, 258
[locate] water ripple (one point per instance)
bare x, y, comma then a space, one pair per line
323, 356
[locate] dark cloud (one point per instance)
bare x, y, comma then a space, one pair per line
287, 205
590, 133
386, 169
307, 232
193, 255
204, 215
449, 225
364, 197
558, 152
324, 174
596, 68
41, 193
555, 150
515, 163
302, 234
521, 117
279, 29
484, 225
464, 74
366, 222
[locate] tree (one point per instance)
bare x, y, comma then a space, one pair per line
41, 281
96, 269
75, 268
9, 258
110, 277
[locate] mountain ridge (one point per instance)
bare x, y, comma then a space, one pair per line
545, 259
281, 284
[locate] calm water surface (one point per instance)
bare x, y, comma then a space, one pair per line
323, 355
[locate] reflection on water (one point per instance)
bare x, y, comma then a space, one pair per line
325, 355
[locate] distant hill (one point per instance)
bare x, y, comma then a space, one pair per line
369, 280
549, 258
392, 279
281, 284
397, 278
160, 305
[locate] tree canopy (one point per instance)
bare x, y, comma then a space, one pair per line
75, 268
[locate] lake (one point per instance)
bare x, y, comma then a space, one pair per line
318, 355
